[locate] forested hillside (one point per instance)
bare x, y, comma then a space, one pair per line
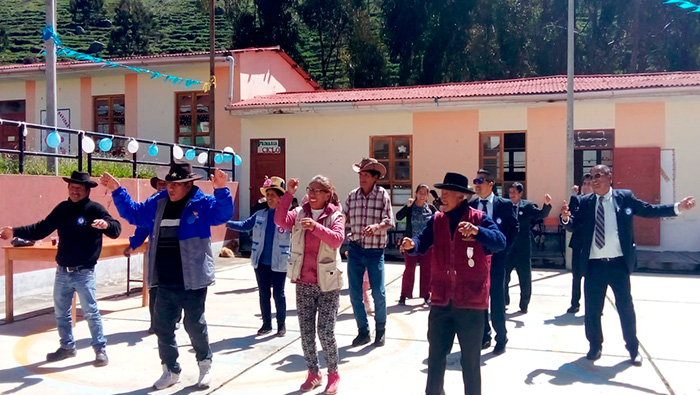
364, 43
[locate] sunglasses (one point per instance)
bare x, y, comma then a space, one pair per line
598, 175
315, 190
480, 180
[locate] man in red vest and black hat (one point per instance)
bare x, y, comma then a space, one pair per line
463, 239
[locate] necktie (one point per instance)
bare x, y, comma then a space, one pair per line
600, 225
484, 206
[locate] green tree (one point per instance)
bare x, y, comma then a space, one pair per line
86, 11
133, 29
4, 41
366, 54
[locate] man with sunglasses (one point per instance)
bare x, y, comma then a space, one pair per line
603, 222
501, 211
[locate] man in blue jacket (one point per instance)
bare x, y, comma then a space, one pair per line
603, 225
180, 259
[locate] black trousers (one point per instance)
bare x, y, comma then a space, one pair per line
268, 279
599, 275
498, 302
443, 323
152, 296
523, 266
169, 304
576, 280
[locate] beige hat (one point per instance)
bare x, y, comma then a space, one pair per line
368, 164
273, 182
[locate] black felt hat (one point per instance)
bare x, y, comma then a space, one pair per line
78, 177
181, 172
455, 182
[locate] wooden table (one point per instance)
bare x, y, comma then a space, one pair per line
45, 252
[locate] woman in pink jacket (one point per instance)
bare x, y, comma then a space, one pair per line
318, 230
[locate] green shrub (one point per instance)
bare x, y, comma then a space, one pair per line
35, 165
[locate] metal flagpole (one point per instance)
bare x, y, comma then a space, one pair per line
569, 108
51, 112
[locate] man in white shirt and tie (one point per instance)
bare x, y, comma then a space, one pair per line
603, 224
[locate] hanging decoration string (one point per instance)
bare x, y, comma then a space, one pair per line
686, 5
49, 33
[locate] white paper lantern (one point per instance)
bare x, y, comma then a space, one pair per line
88, 145
202, 158
229, 150
133, 146
177, 152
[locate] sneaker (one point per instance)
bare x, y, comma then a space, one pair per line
101, 358
204, 373
361, 339
265, 329
313, 380
61, 354
168, 379
332, 386
402, 301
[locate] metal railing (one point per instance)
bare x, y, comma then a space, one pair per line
22, 152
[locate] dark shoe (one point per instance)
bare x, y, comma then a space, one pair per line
427, 301
61, 354
281, 331
151, 330
523, 310
265, 329
101, 358
572, 310
402, 301
636, 359
594, 354
379, 338
500, 348
486, 344
361, 339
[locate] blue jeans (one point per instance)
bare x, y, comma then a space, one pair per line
82, 282
372, 260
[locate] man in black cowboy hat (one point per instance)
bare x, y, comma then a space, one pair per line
180, 259
81, 223
463, 239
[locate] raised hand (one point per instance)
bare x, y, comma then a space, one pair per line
218, 179
565, 213
547, 198
410, 202
108, 181
407, 244
687, 203
574, 189
292, 185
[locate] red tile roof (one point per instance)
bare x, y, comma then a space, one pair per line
154, 59
523, 86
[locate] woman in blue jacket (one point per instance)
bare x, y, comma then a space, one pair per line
269, 255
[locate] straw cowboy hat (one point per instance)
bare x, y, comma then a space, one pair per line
368, 164
273, 182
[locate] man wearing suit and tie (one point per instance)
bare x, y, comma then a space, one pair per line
576, 272
520, 257
603, 222
501, 211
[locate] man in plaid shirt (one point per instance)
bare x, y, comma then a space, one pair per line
369, 215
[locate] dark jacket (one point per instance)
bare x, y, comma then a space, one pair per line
582, 222
526, 213
504, 217
405, 212
79, 243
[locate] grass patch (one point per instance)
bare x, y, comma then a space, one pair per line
39, 166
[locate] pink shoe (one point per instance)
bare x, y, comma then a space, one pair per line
313, 380
333, 381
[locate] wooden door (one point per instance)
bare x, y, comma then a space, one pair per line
12, 111
639, 169
267, 158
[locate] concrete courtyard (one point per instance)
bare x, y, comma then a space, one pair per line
545, 354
